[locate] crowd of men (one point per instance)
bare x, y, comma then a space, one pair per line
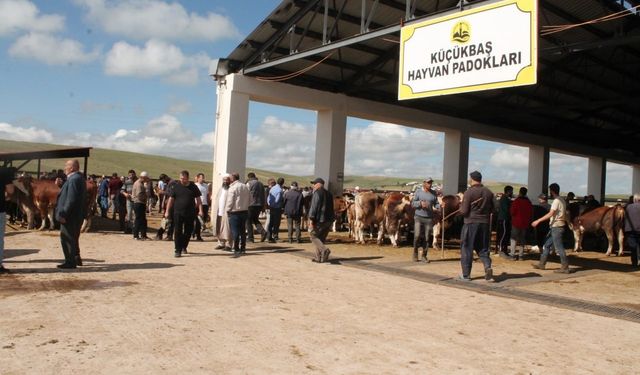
237, 208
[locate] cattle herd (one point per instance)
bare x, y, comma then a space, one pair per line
382, 215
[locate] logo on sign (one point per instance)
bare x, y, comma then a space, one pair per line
461, 32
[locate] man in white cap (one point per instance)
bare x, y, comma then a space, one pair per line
219, 218
140, 197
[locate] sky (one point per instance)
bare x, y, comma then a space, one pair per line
132, 75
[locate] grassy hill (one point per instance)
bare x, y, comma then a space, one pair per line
105, 161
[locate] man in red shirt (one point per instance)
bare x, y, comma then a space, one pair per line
521, 212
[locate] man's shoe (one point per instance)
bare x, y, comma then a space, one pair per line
227, 248
325, 256
66, 266
538, 266
290, 240
78, 260
3, 270
488, 274
463, 278
177, 254
199, 239
272, 241
263, 236
314, 260
219, 247
184, 251
236, 254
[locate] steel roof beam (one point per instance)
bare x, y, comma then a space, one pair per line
283, 30
347, 42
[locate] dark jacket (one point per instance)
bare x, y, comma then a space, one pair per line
473, 208
504, 212
293, 203
321, 210
71, 199
256, 189
632, 218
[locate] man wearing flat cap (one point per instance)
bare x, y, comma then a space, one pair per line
424, 200
476, 208
321, 218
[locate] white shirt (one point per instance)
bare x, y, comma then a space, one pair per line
204, 192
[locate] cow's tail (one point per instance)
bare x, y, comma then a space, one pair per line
618, 218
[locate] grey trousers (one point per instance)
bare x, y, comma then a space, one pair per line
318, 236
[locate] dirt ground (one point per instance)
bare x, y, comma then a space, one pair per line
134, 308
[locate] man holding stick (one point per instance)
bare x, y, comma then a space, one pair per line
476, 208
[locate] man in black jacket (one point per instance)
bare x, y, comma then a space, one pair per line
256, 205
477, 205
293, 210
321, 218
70, 212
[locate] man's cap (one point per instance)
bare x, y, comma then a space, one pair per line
428, 179
226, 175
144, 174
318, 180
294, 183
542, 196
476, 176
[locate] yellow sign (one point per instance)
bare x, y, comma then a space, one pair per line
483, 48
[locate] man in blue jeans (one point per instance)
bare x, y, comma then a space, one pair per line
237, 209
424, 201
477, 205
557, 221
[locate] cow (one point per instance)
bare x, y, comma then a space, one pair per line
449, 209
306, 205
397, 211
41, 196
36, 196
340, 206
369, 212
610, 220
90, 205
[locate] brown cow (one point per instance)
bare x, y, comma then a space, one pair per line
607, 219
369, 212
37, 196
449, 209
41, 196
397, 211
340, 206
90, 205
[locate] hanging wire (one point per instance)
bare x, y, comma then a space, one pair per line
294, 74
551, 29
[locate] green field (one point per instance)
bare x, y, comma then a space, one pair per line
104, 161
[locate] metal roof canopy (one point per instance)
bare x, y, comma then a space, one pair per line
588, 77
67, 153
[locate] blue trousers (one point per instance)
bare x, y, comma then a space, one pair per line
554, 238
633, 245
475, 236
238, 222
